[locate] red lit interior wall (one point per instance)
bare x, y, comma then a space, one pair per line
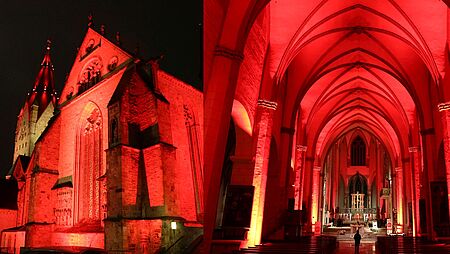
247, 93
252, 67
276, 201
242, 172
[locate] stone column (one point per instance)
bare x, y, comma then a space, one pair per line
299, 167
408, 196
335, 180
263, 136
428, 159
306, 190
399, 195
444, 109
315, 199
346, 198
416, 186
219, 94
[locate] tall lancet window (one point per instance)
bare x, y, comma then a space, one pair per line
89, 165
358, 152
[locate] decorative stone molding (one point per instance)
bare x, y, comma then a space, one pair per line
413, 149
444, 106
267, 104
228, 53
301, 148
188, 116
93, 122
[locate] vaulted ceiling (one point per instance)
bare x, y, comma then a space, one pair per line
357, 65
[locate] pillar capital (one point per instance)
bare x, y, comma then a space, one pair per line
444, 106
301, 148
232, 54
413, 149
267, 104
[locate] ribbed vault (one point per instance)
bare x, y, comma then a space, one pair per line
311, 75
351, 65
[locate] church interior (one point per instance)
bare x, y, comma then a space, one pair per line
326, 117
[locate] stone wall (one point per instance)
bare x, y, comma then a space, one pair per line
7, 218
185, 99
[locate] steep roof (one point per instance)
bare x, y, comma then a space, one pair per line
20, 166
147, 72
43, 92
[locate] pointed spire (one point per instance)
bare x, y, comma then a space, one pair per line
90, 20
44, 89
118, 38
102, 30
46, 61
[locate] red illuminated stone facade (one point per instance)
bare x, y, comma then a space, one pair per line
360, 130
115, 163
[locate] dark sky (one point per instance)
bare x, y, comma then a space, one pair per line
168, 27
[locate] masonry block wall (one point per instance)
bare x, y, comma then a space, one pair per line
117, 162
136, 181
185, 100
145, 178
42, 174
7, 218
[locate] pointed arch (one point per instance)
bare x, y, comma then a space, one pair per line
358, 152
88, 165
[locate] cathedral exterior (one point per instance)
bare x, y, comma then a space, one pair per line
113, 162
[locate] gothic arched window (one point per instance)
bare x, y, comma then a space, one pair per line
89, 165
358, 185
358, 152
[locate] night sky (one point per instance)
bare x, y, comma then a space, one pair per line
160, 27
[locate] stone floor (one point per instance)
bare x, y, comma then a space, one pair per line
386, 245
349, 247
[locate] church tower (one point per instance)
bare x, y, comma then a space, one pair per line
37, 110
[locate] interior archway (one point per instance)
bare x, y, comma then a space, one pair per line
316, 75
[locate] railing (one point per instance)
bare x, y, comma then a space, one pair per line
359, 210
357, 214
